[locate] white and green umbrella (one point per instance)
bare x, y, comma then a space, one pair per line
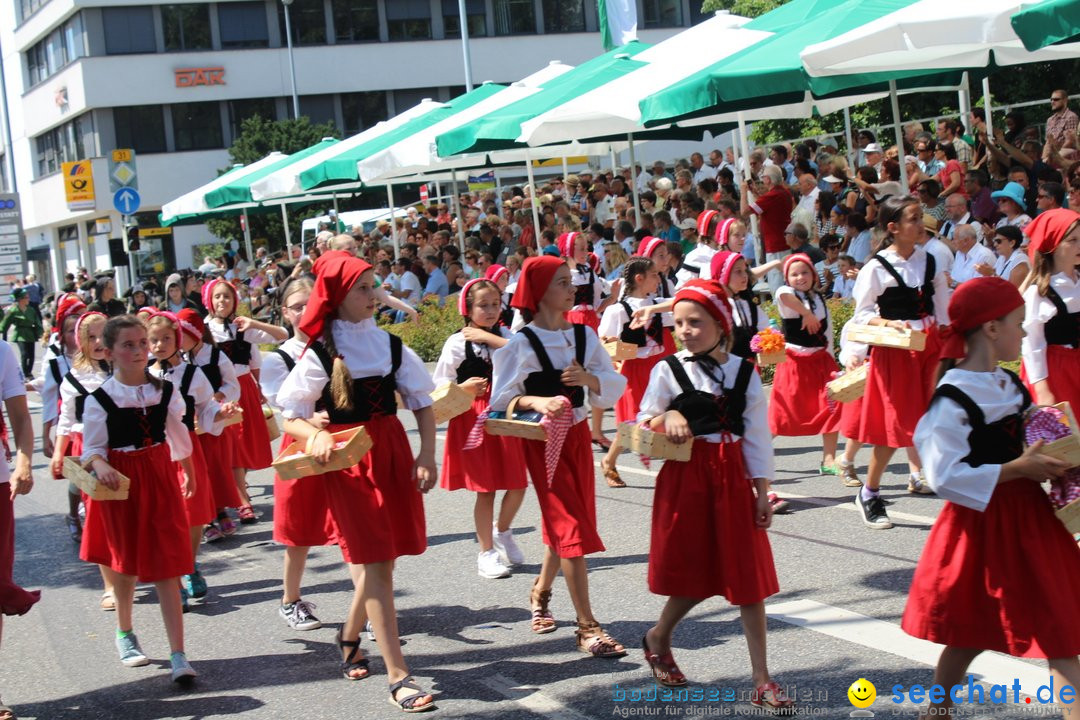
192, 205
1049, 22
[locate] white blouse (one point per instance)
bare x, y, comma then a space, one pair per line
274, 371
366, 349
230, 386
96, 430
757, 440
873, 280
657, 297
701, 258
941, 436
1004, 266
615, 319
516, 360
91, 380
206, 407
820, 312
453, 354
49, 388
580, 275
1037, 311
742, 314
223, 333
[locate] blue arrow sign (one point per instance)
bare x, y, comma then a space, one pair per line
126, 201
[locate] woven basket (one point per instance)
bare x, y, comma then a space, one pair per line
233, 420
271, 423
87, 482
294, 463
620, 351
881, 336
653, 444
509, 425
1066, 449
772, 358
448, 401
849, 386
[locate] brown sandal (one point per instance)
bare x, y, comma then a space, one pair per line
543, 622
612, 477
592, 639
663, 667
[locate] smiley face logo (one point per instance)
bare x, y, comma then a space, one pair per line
862, 693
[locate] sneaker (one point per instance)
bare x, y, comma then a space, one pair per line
227, 526
247, 515
873, 512
74, 529
779, 504
131, 655
848, 476
916, 485
369, 631
488, 565
82, 512
182, 672
298, 615
506, 546
195, 584
824, 469
212, 533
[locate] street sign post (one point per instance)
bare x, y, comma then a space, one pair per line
126, 201
12, 243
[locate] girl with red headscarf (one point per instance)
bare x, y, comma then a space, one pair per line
546, 368
710, 514
1051, 349
999, 571
354, 368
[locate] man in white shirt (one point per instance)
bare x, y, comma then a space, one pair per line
970, 253
808, 194
957, 214
624, 235
700, 169
407, 285
943, 257
603, 206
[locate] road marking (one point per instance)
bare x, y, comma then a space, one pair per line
531, 698
989, 668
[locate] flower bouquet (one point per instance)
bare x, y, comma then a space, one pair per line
769, 346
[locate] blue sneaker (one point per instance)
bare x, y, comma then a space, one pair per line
184, 605
182, 672
195, 584
131, 655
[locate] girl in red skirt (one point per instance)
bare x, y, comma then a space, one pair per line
377, 504
999, 571
800, 405
640, 281
301, 516
218, 450
163, 334
899, 287
546, 368
501, 277
656, 250
1051, 348
731, 270
710, 514
497, 462
134, 426
239, 338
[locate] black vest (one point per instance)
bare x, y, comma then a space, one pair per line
238, 350
993, 443
547, 382
639, 336
189, 401
286, 358
742, 334
372, 396
141, 427
795, 334
506, 315
80, 399
585, 294
706, 413
473, 365
903, 302
212, 369
1064, 327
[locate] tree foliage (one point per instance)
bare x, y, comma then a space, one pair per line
258, 138
746, 8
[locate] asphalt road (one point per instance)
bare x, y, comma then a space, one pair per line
467, 639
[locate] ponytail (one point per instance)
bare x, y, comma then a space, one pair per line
341, 385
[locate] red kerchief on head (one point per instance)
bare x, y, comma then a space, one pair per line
336, 271
191, 324
1048, 229
566, 243
494, 272
722, 231
536, 276
208, 292
69, 304
722, 264
709, 294
796, 258
650, 245
462, 301
703, 221
973, 303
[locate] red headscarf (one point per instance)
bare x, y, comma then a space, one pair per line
536, 276
1048, 229
710, 295
208, 292
191, 324
69, 305
976, 302
463, 296
703, 221
171, 317
792, 259
722, 264
83, 318
722, 231
566, 243
650, 245
336, 271
494, 272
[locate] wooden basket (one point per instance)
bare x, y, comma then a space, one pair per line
350, 446
87, 481
653, 444
881, 336
509, 425
620, 351
1066, 449
849, 386
271, 423
772, 358
448, 401
234, 420
1070, 517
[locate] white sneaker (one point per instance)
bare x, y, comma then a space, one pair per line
508, 549
489, 566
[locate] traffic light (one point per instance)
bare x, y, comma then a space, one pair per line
131, 236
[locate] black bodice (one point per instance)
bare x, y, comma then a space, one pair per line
372, 396
993, 443
140, 427
547, 382
706, 413
903, 302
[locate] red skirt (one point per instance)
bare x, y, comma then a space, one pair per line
584, 317
670, 348
1063, 374
704, 538
850, 415
568, 507
1007, 579
377, 509
637, 373
252, 438
218, 452
13, 599
800, 403
74, 449
301, 514
200, 506
899, 385
497, 464
146, 535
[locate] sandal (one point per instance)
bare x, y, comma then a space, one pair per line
612, 477
349, 665
543, 622
410, 703
592, 639
6, 713
108, 603
771, 697
602, 442
663, 667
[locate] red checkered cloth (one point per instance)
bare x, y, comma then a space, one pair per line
1049, 424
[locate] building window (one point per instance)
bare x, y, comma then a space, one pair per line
141, 128
662, 13
475, 15
241, 110
697, 16
355, 20
243, 25
308, 20
73, 140
408, 20
28, 8
515, 17
62, 46
362, 110
197, 126
563, 16
319, 109
405, 99
187, 27
128, 30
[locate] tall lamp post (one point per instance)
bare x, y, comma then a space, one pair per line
292, 64
464, 21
